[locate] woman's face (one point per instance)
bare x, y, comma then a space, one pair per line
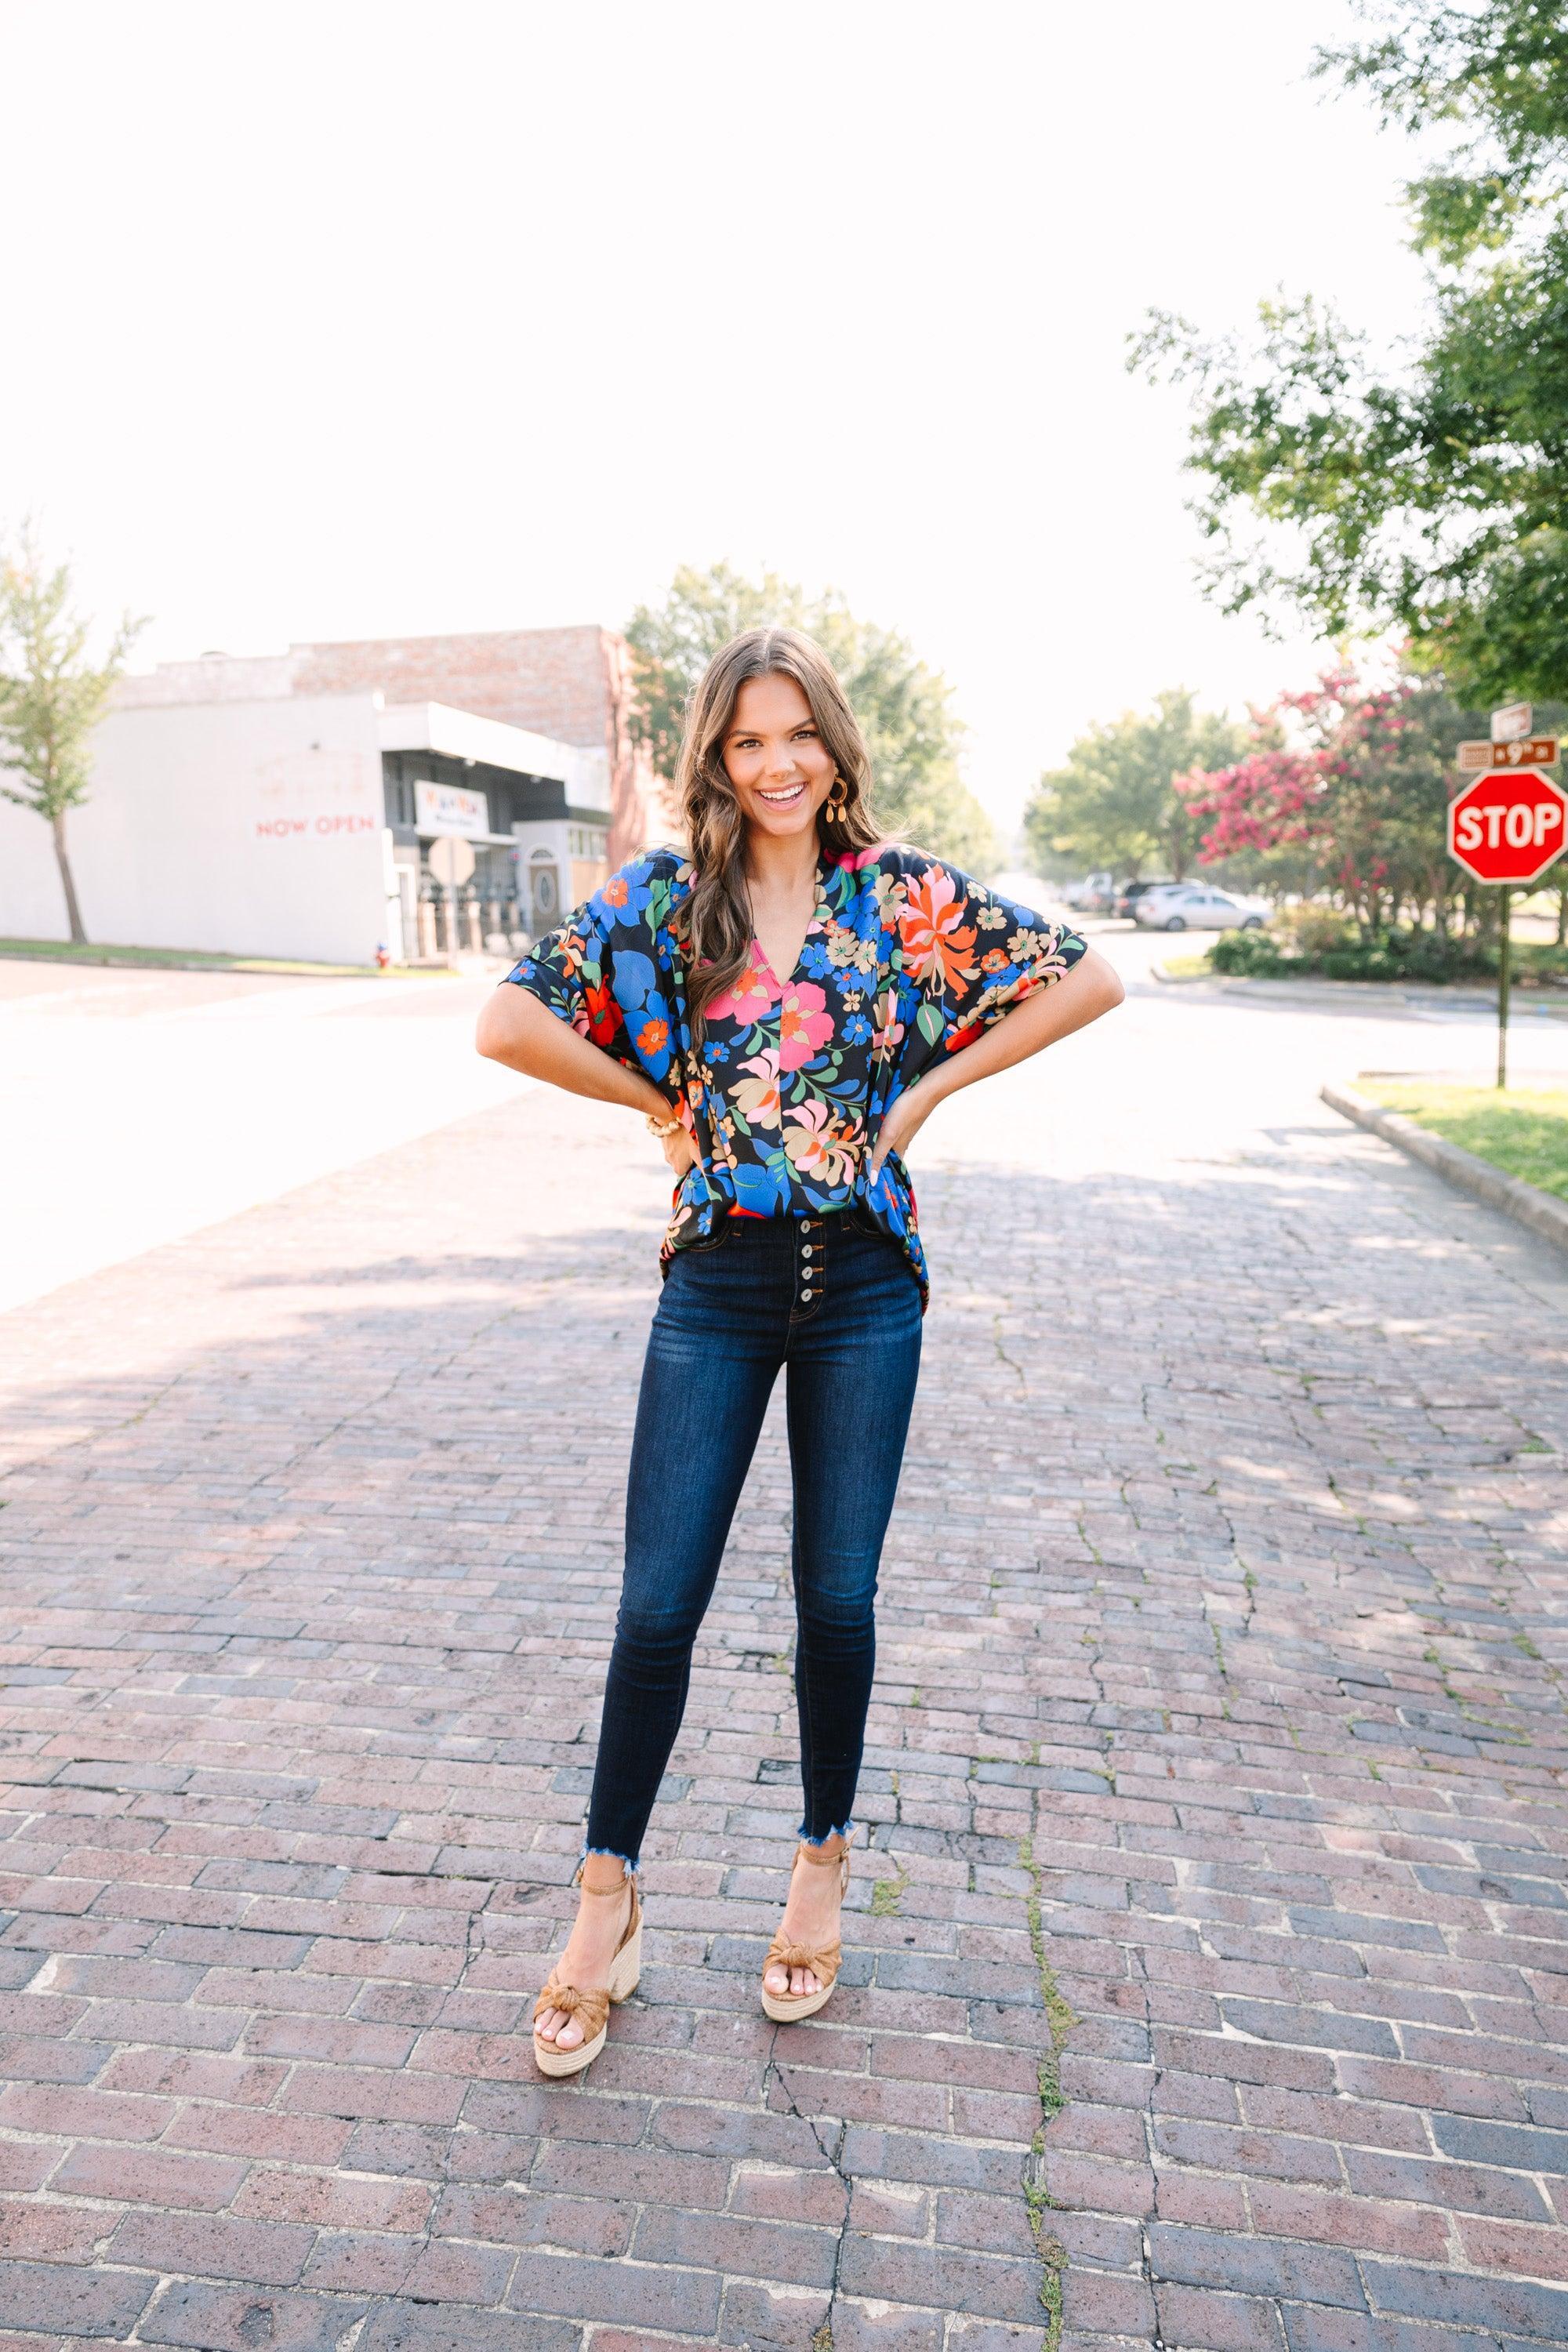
780, 768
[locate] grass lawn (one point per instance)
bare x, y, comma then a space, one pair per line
185, 959
1523, 1130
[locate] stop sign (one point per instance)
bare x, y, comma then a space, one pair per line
1508, 827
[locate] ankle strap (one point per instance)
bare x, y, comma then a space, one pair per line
820, 1856
628, 1878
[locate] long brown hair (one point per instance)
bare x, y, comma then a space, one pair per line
716, 925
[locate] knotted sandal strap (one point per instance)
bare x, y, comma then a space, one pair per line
823, 1961
591, 2009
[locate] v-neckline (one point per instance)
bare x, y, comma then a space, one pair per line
814, 923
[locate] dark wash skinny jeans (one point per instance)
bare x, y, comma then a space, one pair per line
836, 1305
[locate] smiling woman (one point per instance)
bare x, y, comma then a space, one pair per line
788, 1003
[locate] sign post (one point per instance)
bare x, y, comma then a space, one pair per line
1506, 826
1504, 919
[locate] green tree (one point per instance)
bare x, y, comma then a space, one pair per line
52, 695
904, 707
1112, 804
1434, 494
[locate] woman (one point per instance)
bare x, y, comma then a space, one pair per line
770, 1005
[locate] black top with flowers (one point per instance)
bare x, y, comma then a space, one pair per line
906, 959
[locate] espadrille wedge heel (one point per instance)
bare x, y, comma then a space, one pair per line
823, 1961
593, 2008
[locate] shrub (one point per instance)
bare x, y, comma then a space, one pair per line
1360, 963
1252, 954
1311, 931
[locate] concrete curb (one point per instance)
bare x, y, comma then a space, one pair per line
1380, 993
1525, 1204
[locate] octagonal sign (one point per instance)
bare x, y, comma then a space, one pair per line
1508, 827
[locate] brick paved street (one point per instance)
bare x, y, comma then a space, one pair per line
1208, 1971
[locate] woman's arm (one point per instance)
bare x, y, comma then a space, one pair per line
1089, 989
515, 1028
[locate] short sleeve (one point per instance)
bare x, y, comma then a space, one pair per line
603, 971
972, 955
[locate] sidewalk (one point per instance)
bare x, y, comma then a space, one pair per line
1208, 1968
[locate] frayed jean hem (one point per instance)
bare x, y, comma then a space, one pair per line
847, 1832
626, 1861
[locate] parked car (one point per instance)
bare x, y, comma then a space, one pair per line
1198, 906
1127, 897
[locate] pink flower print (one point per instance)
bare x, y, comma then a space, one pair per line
805, 1023
755, 993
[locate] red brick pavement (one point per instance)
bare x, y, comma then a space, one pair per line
1207, 1971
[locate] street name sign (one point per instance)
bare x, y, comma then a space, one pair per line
1511, 721
1508, 828
1478, 752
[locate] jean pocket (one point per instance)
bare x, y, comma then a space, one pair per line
701, 1245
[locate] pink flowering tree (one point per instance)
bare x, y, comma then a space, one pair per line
1342, 795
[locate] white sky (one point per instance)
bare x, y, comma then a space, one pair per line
361, 317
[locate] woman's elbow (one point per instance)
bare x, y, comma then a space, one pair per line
1104, 980
496, 1032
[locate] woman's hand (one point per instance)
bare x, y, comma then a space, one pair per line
679, 1150
899, 1128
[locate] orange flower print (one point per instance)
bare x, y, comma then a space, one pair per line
935, 941
652, 1037
603, 1016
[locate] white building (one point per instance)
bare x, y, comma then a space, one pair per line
233, 814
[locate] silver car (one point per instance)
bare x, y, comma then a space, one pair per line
1197, 906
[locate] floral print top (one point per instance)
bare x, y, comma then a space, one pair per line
906, 959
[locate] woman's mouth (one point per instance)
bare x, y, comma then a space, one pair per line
781, 796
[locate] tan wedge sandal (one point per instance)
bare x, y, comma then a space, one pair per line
592, 2008
823, 1961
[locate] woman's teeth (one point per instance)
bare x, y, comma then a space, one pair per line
790, 792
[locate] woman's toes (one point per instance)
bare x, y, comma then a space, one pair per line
544, 2026
571, 2035
776, 1980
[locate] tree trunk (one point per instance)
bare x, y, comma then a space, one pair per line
1562, 914
73, 912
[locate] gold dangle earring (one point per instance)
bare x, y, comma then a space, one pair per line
837, 800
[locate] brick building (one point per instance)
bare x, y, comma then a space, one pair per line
431, 795
574, 684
